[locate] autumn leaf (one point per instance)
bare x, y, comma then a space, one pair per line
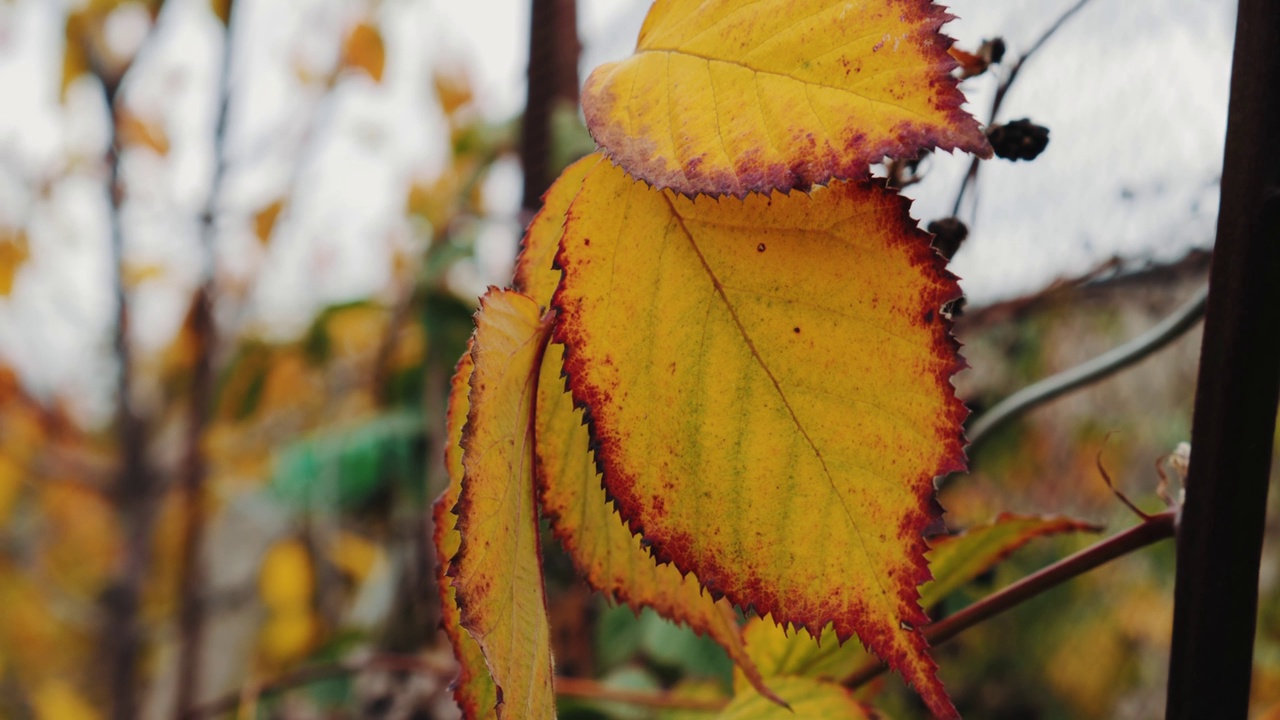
808, 698
133, 130
497, 571
768, 383
13, 254
264, 221
725, 97
603, 550
221, 9
473, 689
364, 50
954, 560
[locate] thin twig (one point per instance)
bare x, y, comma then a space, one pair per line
204, 333
1104, 365
1157, 528
1003, 89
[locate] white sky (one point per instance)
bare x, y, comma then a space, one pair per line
1134, 94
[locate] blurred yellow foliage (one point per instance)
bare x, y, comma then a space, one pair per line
364, 50
56, 699
133, 130
83, 541
356, 331
264, 221
13, 253
354, 555
11, 478
286, 579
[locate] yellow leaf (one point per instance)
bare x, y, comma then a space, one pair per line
264, 221
84, 541
288, 636
726, 97
13, 253
603, 550
768, 384
221, 9
364, 50
58, 700
954, 561
286, 579
807, 698
473, 690
133, 130
498, 569
75, 53
12, 477
137, 273
354, 555
453, 88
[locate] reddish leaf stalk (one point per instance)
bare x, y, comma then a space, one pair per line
1157, 528
1233, 426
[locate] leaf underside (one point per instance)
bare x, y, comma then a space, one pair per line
767, 383
497, 571
726, 97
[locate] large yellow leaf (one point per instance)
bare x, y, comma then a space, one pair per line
473, 689
768, 382
808, 698
498, 569
954, 561
729, 97
603, 550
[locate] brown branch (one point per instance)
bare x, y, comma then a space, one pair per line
1002, 89
553, 78
1157, 528
204, 333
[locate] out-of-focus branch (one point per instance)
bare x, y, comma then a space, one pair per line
553, 78
1104, 365
134, 491
194, 466
1002, 89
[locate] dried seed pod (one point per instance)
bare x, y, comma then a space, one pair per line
1018, 140
948, 234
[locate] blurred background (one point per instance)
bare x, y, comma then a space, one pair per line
240, 246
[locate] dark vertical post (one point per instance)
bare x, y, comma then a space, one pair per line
553, 80
1220, 538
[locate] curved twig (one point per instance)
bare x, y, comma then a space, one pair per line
1108, 363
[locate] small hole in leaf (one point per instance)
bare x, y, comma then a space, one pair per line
797, 330
760, 247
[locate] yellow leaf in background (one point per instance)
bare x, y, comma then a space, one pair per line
133, 130
264, 221
354, 555
135, 274
806, 697
288, 636
363, 50
13, 253
286, 579
726, 97
411, 347
221, 9
603, 550
356, 331
498, 569
473, 690
58, 700
75, 57
83, 543
290, 383
453, 88
768, 385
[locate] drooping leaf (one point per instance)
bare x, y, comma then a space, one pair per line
473, 689
605, 553
342, 469
497, 571
768, 383
807, 697
954, 561
727, 97
364, 50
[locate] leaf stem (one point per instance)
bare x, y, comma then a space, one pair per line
1158, 527
1104, 365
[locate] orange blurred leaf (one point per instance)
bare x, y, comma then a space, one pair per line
264, 221
221, 9
724, 97
497, 571
768, 386
13, 254
364, 50
133, 130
